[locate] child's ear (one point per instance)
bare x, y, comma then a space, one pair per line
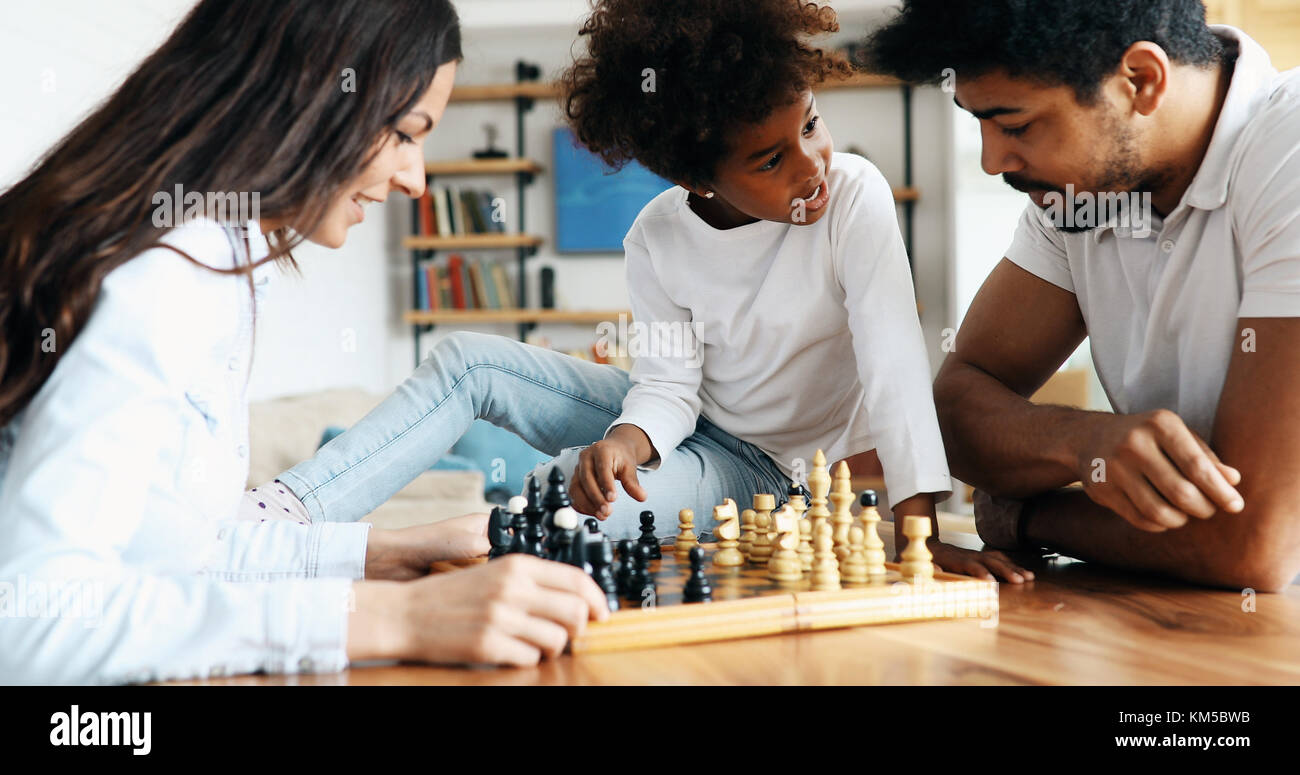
703, 192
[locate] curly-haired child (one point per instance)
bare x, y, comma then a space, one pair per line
772, 276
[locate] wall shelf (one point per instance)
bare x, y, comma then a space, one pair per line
545, 90
482, 167
532, 316
472, 242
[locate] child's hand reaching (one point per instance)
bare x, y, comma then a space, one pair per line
980, 565
613, 458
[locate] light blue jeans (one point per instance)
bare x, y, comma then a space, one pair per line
556, 403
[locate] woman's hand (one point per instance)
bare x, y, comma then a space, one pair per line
980, 565
400, 555
514, 610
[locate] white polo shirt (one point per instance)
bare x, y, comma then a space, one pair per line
1161, 308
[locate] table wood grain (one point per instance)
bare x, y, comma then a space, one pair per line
1077, 623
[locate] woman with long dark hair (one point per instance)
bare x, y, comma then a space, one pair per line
130, 265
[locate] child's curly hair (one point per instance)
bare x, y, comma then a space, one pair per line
716, 64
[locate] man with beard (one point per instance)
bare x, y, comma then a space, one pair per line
1193, 308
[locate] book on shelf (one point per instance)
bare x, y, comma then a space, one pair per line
454, 263
476, 284
493, 226
469, 202
505, 297
433, 285
460, 283
446, 212
483, 280
428, 222
441, 214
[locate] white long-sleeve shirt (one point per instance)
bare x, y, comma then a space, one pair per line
120, 559
809, 337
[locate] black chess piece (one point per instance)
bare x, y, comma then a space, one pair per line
593, 526
868, 498
624, 565
559, 542
499, 532
576, 552
641, 583
697, 589
600, 558
557, 493
648, 538
519, 531
638, 571
535, 534
556, 498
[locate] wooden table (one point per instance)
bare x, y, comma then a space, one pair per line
1075, 624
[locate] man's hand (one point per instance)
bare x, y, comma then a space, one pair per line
1153, 471
399, 555
512, 611
981, 565
611, 459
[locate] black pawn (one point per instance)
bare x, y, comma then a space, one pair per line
648, 538
640, 582
499, 532
560, 542
593, 526
519, 529
624, 565
697, 588
577, 554
600, 556
868, 498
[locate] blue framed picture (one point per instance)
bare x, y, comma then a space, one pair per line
594, 207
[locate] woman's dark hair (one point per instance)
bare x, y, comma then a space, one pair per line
246, 96
665, 82
1075, 43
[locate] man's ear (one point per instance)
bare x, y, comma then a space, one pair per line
1143, 76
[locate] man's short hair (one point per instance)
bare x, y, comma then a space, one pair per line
1075, 43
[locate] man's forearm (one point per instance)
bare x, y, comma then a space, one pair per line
1000, 442
1069, 522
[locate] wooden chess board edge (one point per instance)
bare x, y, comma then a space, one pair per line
961, 598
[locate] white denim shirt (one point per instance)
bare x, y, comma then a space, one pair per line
120, 557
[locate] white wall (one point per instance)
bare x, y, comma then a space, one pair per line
340, 325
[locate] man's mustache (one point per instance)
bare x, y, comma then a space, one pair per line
1025, 185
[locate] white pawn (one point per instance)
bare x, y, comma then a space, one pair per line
566, 518
854, 567
826, 570
686, 538
917, 560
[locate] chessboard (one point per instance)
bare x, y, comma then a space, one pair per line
781, 567
747, 603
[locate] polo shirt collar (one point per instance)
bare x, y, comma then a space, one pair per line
1253, 70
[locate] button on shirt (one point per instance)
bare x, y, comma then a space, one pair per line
120, 480
807, 335
1161, 307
